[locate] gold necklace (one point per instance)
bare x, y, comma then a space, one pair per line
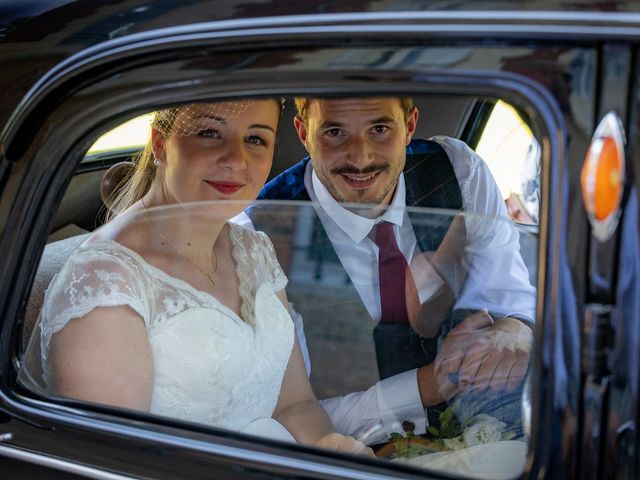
209, 276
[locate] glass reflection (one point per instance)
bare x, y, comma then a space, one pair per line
465, 411
408, 316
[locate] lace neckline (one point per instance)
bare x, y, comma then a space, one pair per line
205, 297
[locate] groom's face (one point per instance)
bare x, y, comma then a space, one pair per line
357, 145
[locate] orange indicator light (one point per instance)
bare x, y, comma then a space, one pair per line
602, 176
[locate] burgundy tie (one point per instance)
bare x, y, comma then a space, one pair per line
395, 276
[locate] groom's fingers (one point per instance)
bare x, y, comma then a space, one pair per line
450, 363
488, 369
501, 374
475, 321
447, 388
518, 371
471, 363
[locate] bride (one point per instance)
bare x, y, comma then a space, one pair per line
176, 311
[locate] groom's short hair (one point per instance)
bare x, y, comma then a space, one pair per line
302, 105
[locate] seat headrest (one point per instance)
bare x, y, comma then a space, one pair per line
113, 179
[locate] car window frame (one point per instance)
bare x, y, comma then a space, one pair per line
57, 175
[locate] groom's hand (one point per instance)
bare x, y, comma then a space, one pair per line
479, 354
440, 380
461, 354
505, 367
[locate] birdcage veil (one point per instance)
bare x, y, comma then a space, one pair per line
190, 119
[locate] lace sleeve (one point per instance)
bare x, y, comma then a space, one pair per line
269, 261
91, 278
256, 264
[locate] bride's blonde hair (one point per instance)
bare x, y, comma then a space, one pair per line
137, 180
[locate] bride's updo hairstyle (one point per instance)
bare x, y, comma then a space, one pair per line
137, 181
179, 121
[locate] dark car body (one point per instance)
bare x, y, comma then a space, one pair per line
70, 68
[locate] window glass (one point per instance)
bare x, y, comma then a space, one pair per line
195, 302
512, 154
131, 134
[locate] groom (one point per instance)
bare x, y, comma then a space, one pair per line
361, 151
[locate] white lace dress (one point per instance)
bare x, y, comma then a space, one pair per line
211, 365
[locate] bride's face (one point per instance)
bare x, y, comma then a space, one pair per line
218, 151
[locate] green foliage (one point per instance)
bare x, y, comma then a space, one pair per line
407, 449
433, 431
449, 425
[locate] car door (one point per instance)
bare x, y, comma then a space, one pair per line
609, 399
98, 89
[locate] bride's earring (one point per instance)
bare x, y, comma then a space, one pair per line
156, 162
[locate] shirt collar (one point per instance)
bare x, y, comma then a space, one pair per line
353, 225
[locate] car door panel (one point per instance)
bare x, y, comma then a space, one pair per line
98, 88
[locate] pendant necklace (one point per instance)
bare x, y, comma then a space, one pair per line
209, 276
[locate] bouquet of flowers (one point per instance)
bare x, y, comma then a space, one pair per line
451, 435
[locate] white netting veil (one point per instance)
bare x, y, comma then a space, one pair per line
190, 119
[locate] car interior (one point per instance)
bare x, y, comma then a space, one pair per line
84, 204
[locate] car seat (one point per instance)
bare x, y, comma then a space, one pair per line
55, 254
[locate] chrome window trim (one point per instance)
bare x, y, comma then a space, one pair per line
57, 464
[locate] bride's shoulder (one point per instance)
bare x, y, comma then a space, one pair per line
120, 240
125, 230
102, 252
99, 273
100, 259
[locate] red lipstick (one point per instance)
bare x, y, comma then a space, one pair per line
226, 188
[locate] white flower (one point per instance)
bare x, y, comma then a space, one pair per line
455, 443
483, 429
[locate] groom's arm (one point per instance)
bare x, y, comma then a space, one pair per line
373, 414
